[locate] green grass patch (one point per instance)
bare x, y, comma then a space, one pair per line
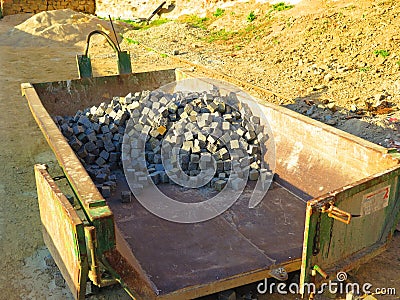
195, 21
365, 69
249, 28
135, 25
382, 53
220, 35
281, 6
251, 16
163, 55
131, 41
144, 25
218, 12
289, 22
159, 22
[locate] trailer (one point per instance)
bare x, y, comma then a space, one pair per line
334, 203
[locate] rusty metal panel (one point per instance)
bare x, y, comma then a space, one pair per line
334, 246
63, 232
90, 198
159, 259
67, 97
170, 261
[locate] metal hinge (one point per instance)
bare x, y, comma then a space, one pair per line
336, 213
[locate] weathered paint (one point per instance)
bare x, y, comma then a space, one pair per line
342, 246
124, 62
63, 232
85, 190
84, 66
325, 154
307, 251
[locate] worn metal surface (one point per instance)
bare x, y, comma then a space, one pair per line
159, 259
84, 66
336, 246
124, 62
90, 198
63, 232
318, 158
236, 248
66, 97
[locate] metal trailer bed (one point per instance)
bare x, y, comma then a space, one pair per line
314, 216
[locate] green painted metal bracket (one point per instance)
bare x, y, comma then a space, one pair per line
63, 232
84, 66
124, 62
321, 272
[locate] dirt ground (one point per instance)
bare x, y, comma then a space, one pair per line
324, 58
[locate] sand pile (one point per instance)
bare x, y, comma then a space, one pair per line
66, 26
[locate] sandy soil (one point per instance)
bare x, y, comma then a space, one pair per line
290, 53
25, 274
318, 51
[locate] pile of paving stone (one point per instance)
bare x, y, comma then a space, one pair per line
198, 131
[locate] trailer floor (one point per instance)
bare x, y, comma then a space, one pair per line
236, 243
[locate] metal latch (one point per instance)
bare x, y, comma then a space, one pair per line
336, 213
